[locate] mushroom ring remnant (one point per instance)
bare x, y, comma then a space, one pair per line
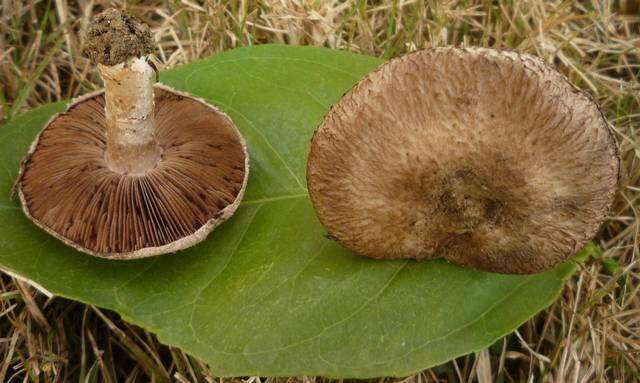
486, 158
67, 187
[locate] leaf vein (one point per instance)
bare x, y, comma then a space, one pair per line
273, 199
311, 338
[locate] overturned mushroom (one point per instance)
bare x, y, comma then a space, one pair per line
135, 170
486, 158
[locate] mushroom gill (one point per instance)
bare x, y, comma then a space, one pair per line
68, 188
489, 159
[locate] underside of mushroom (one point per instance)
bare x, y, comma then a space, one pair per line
135, 170
486, 158
68, 188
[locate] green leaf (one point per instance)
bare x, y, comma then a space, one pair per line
611, 266
267, 293
590, 250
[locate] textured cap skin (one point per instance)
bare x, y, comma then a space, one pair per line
66, 187
489, 159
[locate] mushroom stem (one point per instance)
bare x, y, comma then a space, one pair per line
129, 110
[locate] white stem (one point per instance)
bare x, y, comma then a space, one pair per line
129, 106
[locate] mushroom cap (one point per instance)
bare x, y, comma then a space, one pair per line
489, 159
67, 189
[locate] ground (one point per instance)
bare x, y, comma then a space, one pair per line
590, 334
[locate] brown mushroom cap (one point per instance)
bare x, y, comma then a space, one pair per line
486, 158
67, 188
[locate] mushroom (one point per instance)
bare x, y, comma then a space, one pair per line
489, 159
133, 170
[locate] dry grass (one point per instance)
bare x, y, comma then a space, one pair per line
591, 334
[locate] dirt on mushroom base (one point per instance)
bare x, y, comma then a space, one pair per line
114, 36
